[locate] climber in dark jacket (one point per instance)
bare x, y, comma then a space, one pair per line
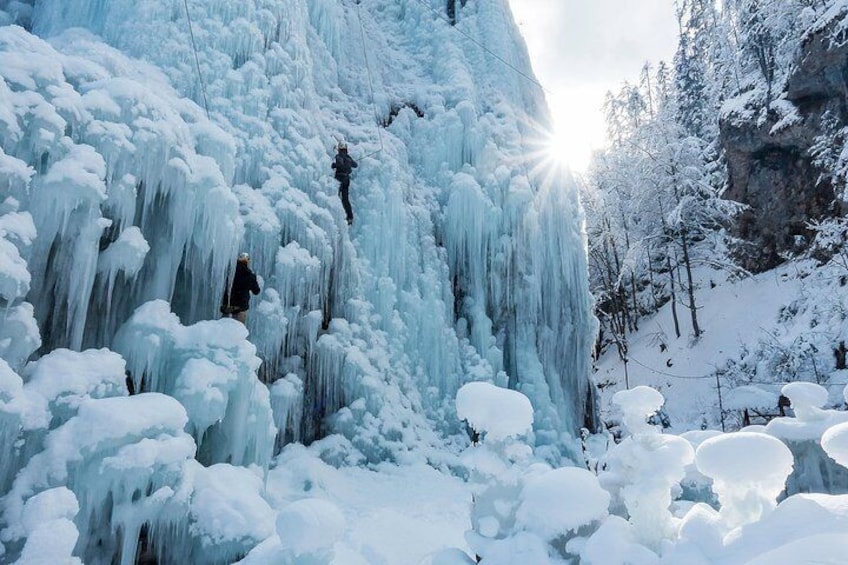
344, 164
236, 303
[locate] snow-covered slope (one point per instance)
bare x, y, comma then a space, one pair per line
133, 170
760, 333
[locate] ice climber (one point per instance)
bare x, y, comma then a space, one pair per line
343, 165
236, 302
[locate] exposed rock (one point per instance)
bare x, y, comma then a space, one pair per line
771, 169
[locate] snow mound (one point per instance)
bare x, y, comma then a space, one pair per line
52, 542
811, 420
807, 399
826, 549
19, 334
451, 556
561, 501
228, 514
752, 397
615, 543
51, 534
309, 525
835, 443
749, 471
51, 504
63, 379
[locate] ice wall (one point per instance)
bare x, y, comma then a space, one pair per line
129, 182
460, 239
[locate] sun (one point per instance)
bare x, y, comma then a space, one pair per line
578, 127
566, 141
560, 151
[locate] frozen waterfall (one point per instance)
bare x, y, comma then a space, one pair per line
123, 207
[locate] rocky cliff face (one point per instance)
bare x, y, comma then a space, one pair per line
770, 163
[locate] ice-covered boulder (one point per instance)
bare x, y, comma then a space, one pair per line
124, 460
211, 368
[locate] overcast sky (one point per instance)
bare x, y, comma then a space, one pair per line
582, 48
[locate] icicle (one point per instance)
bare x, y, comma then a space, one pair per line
287, 402
11, 406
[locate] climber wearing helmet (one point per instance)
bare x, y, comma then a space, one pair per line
343, 165
236, 302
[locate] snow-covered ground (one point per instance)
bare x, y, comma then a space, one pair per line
392, 515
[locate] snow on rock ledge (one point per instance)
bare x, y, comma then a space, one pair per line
496, 412
636, 406
749, 471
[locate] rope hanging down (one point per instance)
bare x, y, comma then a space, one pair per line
196, 59
370, 81
483, 47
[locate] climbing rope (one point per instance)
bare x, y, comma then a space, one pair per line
196, 59
713, 376
370, 80
467, 36
483, 47
672, 375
